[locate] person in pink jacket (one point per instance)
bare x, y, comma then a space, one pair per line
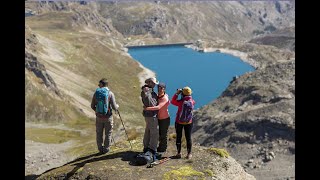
183, 118
163, 116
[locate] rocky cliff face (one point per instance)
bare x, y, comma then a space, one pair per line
177, 21
33, 65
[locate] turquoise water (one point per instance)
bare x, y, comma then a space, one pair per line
207, 74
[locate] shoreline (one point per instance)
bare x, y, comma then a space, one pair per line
242, 55
145, 73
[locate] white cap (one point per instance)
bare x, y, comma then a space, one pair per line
153, 79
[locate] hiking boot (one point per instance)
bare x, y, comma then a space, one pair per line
106, 150
100, 150
155, 157
145, 150
189, 156
159, 155
178, 156
161, 150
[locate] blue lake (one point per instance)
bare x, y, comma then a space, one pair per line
207, 74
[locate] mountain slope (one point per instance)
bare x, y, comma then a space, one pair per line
77, 58
282, 38
254, 118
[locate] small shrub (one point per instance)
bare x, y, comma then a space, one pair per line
220, 152
209, 172
185, 171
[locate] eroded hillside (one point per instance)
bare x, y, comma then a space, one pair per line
254, 118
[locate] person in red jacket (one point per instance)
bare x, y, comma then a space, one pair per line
183, 118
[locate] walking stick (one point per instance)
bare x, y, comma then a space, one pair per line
124, 128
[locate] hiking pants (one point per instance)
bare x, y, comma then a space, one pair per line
151, 133
107, 126
187, 132
163, 134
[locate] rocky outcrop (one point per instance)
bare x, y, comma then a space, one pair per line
256, 111
207, 163
254, 104
33, 65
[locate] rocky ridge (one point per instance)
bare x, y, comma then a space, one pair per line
281, 38
254, 116
207, 163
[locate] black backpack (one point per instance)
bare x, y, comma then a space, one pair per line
144, 158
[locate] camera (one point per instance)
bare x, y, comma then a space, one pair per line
180, 90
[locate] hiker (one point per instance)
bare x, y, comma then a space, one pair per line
183, 118
163, 116
103, 101
150, 99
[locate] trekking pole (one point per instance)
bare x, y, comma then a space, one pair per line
124, 128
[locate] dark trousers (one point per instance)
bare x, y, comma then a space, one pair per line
163, 134
187, 132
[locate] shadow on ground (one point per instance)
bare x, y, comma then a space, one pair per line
80, 162
31, 177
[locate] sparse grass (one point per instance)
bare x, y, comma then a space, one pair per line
220, 152
81, 123
83, 149
172, 136
137, 144
133, 134
209, 172
42, 107
50, 135
78, 46
185, 171
51, 21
